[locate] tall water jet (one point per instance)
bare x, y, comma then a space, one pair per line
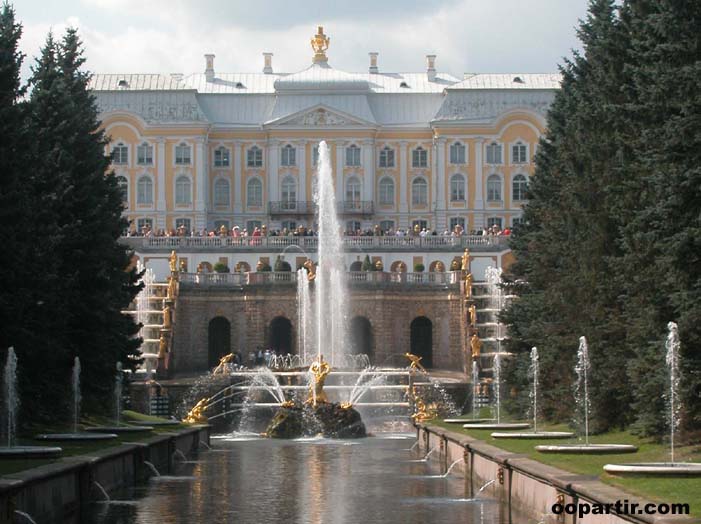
497, 386
581, 395
76, 393
305, 317
118, 394
534, 373
11, 397
475, 388
672, 360
331, 303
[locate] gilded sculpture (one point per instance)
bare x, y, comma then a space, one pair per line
167, 317
465, 266
415, 362
473, 315
475, 345
196, 414
440, 267
172, 287
223, 366
468, 285
320, 370
379, 266
162, 346
311, 269
320, 43
173, 262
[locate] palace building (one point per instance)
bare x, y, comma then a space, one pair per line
425, 148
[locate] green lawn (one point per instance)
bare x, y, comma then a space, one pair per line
683, 490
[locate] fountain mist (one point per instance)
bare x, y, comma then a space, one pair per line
581, 395
475, 388
672, 359
11, 397
497, 385
534, 372
304, 316
76, 393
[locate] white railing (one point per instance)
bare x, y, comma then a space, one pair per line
287, 277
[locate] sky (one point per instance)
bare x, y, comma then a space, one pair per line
171, 36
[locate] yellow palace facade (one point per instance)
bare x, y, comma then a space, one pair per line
427, 148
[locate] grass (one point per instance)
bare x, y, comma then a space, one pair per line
669, 490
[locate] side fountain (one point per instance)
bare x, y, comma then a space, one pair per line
582, 407
12, 450
671, 468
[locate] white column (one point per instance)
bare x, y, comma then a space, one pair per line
161, 210
403, 182
201, 183
238, 203
368, 170
479, 191
340, 163
440, 181
302, 182
273, 162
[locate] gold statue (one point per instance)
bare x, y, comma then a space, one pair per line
183, 265
401, 267
223, 366
455, 265
320, 43
440, 267
167, 317
468, 285
466, 260
475, 345
473, 315
320, 370
172, 287
379, 266
196, 414
173, 262
422, 412
311, 269
162, 346
415, 363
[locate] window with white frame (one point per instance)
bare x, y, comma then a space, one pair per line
120, 154
288, 156
352, 226
219, 223
493, 188
353, 156
288, 193
353, 190
386, 191
144, 190
419, 157
516, 221
254, 192
519, 153
183, 223
142, 224
457, 188
221, 157
144, 154
183, 191
457, 221
123, 187
221, 192
315, 156
457, 153
387, 157
419, 192
519, 186
494, 153
386, 225
183, 154
254, 157
251, 225
423, 224
494, 221
290, 225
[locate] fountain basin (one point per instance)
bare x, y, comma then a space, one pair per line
164, 422
535, 435
119, 429
25, 452
502, 425
75, 437
668, 469
591, 449
467, 420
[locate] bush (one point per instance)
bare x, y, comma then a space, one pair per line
419, 268
367, 264
220, 267
264, 268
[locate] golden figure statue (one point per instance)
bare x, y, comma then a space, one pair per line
468, 285
223, 366
379, 266
440, 267
401, 267
475, 345
223, 231
172, 287
183, 266
196, 414
415, 363
320, 370
162, 346
422, 412
173, 262
455, 265
311, 269
466, 260
320, 43
473, 315
167, 317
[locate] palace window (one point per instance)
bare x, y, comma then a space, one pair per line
144, 154
183, 191
120, 155
288, 156
419, 192
494, 153
387, 157
290, 225
353, 156
251, 225
516, 221
123, 187
143, 224
386, 191
457, 188
219, 223
144, 190
519, 186
494, 221
519, 153
419, 157
183, 155
221, 157
221, 192
493, 188
254, 157
289, 193
315, 156
457, 153
353, 189
386, 225
352, 226
254, 193
423, 224
457, 221
183, 223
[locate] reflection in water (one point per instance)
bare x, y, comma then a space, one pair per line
322, 482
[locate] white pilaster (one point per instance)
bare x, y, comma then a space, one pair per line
403, 182
201, 183
302, 182
273, 162
369, 170
479, 190
238, 203
441, 206
340, 162
161, 183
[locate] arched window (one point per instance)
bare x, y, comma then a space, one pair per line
353, 156
419, 192
419, 157
493, 188
387, 157
353, 189
221, 157
183, 154
144, 154
254, 157
457, 153
123, 185
519, 185
457, 188
289, 193
120, 154
494, 153
144, 190
183, 190
288, 156
254, 193
221, 192
386, 191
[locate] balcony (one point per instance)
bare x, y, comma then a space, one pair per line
289, 207
355, 207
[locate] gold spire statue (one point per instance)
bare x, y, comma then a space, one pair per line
415, 363
475, 345
320, 370
473, 315
320, 43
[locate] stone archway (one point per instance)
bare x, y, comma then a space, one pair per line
218, 340
280, 335
421, 340
361, 337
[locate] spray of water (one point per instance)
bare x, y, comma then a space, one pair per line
11, 397
497, 386
534, 373
475, 388
581, 393
672, 359
76, 393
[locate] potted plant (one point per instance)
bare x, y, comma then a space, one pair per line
221, 267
